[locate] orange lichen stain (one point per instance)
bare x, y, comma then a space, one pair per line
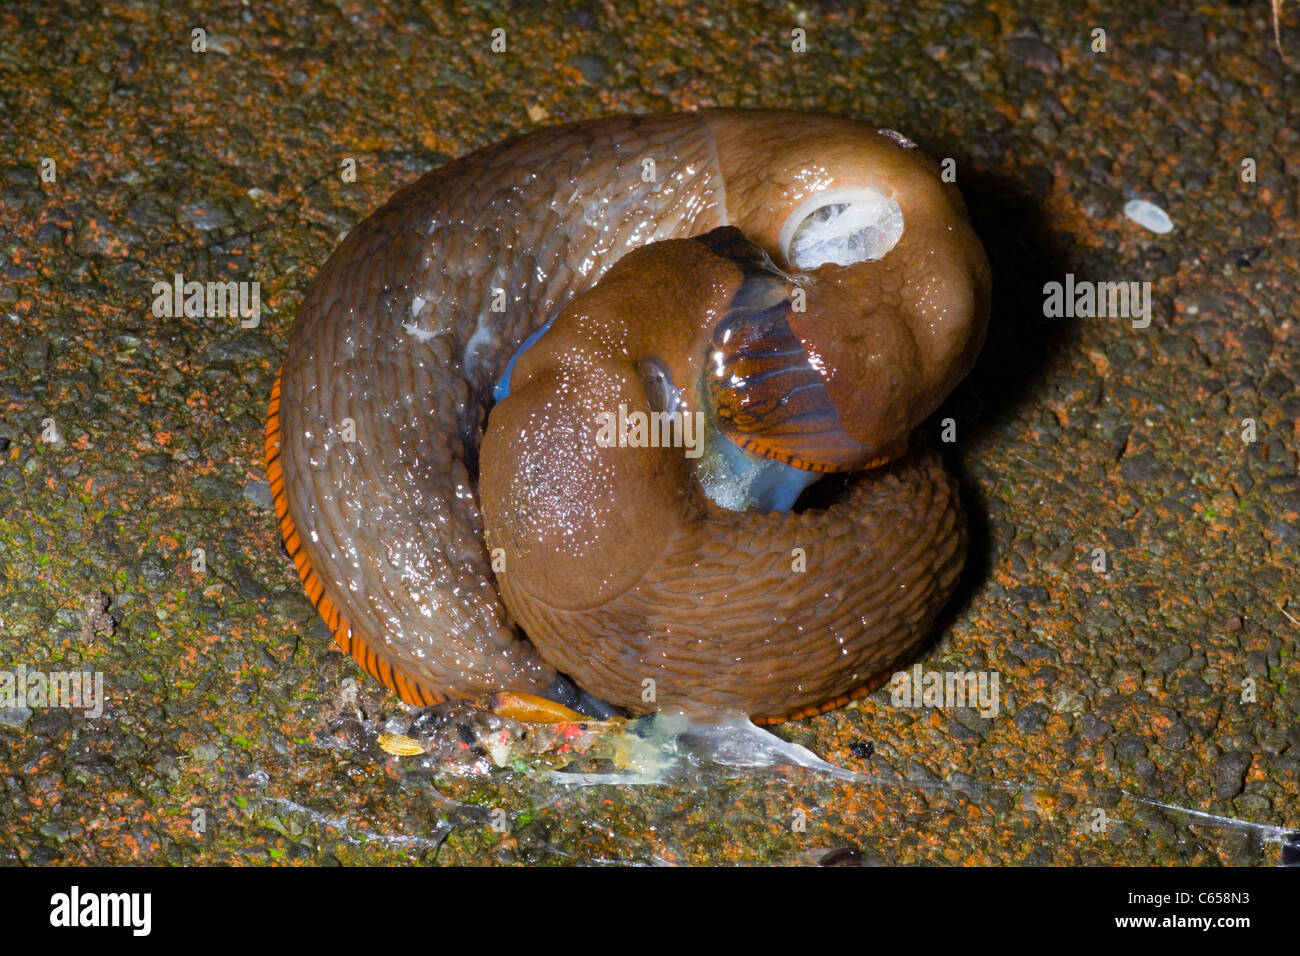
1099, 360
1127, 683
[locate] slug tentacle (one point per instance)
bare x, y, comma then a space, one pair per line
856, 296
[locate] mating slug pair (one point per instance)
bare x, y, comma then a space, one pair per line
805, 288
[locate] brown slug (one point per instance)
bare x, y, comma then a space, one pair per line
848, 298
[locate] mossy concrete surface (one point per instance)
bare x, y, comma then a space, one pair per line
1133, 487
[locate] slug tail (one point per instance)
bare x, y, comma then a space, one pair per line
377, 665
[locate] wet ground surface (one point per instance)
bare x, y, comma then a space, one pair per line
1148, 694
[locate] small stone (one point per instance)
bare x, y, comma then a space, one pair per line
919, 773
1149, 216
593, 67
217, 489
1031, 594
965, 783
206, 216
1252, 803
15, 717
1131, 747
152, 570
1031, 719
36, 354
245, 348
1094, 728
1176, 737
205, 753
54, 831
1230, 774
1141, 467
1032, 51
259, 493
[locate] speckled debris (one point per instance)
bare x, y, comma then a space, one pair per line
1133, 491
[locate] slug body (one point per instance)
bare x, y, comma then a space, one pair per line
620, 564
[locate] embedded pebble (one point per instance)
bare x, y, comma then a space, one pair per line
259, 493
205, 753
1148, 216
15, 717
206, 216
593, 67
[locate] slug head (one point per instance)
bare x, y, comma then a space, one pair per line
889, 297
764, 389
580, 505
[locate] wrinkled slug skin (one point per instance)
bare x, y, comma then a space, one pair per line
397, 339
390, 523
620, 571
722, 622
